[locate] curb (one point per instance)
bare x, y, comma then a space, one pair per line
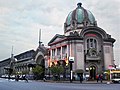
78, 82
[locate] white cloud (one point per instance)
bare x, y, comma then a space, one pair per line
20, 21
4, 10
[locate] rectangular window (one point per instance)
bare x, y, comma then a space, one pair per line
53, 52
64, 49
58, 51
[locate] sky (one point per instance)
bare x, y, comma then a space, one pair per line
21, 20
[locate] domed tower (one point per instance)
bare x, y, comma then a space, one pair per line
78, 19
90, 45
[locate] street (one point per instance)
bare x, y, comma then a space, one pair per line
35, 85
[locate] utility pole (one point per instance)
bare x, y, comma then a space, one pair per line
71, 60
71, 73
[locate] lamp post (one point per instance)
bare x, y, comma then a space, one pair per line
48, 58
71, 73
71, 60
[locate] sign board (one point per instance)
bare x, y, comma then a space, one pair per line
110, 67
71, 59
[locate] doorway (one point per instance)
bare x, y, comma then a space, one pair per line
92, 72
40, 61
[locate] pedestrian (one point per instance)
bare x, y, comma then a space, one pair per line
17, 78
24, 78
8, 77
97, 77
81, 78
44, 79
101, 78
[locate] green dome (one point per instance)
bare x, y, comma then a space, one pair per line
69, 18
80, 16
91, 17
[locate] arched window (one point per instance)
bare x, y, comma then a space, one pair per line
91, 46
91, 43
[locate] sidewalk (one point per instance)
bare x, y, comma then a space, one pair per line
78, 82
99, 82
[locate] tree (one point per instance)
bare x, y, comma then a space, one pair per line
37, 71
56, 71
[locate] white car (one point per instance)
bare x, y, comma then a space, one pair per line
116, 80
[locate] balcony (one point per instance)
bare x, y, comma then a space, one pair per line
93, 58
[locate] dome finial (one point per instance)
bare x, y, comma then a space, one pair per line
79, 4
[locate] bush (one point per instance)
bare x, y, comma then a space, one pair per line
56, 71
38, 71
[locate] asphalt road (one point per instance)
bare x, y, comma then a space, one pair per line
33, 85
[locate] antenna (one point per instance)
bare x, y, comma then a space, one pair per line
12, 51
12, 58
40, 37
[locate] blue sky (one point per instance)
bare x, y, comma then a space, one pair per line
20, 21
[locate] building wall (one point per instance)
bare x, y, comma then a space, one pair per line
108, 55
79, 56
21, 65
3, 64
2, 70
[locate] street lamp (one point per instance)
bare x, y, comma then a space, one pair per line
71, 60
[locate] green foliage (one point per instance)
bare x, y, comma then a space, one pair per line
38, 71
56, 70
